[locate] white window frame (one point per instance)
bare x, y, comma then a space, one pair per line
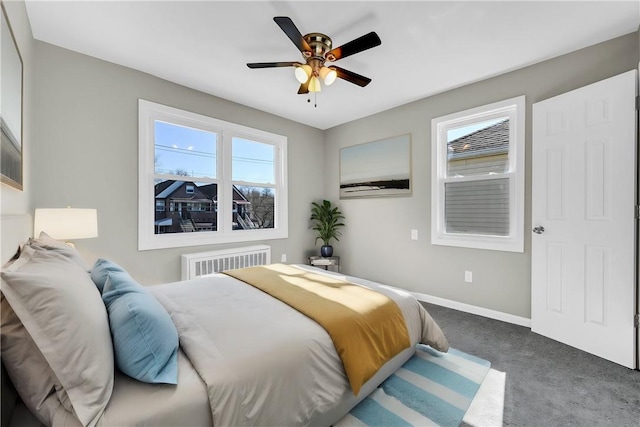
148, 113
513, 108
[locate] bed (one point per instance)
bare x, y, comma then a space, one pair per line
244, 357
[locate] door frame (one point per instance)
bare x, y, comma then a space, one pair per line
637, 271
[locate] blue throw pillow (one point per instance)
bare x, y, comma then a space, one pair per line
145, 340
101, 270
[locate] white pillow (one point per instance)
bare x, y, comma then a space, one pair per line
62, 310
45, 242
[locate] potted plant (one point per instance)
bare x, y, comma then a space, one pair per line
327, 220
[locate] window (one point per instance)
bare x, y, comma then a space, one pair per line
253, 176
477, 187
222, 182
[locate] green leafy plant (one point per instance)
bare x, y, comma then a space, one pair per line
327, 220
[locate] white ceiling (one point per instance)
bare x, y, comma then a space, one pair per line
427, 47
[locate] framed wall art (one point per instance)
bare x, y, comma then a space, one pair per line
375, 169
10, 107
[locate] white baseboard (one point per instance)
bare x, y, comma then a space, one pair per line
468, 308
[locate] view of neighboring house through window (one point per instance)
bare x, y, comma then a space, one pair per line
478, 177
189, 154
207, 179
253, 175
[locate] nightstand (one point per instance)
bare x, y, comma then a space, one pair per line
318, 261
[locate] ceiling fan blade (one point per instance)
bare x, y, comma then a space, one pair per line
351, 77
354, 46
304, 87
286, 24
271, 64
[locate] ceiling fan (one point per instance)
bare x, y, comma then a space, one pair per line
316, 48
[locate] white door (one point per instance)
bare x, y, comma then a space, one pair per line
583, 214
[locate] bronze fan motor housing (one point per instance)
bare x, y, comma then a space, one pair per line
320, 44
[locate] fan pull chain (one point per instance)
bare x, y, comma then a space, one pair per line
315, 99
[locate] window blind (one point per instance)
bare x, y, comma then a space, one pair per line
477, 207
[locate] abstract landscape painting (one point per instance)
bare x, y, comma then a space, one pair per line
378, 168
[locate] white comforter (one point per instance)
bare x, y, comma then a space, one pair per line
266, 364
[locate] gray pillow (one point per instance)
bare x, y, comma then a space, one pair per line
45, 242
62, 311
26, 366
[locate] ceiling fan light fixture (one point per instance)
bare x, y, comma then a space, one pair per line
314, 85
328, 75
316, 49
303, 72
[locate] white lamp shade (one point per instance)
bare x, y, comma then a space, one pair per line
328, 75
67, 223
314, 85
302, 73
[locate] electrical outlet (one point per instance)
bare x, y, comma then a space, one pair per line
414, 234
283, 258
468, 276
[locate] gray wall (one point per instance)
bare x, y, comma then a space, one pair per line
376, 241
85, 143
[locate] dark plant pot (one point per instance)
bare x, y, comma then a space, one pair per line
326, 251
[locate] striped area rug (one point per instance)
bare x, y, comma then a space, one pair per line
430, 389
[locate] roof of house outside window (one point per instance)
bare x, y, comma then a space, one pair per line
167, 189
490, 141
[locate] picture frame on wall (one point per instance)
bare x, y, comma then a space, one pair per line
11, 81
376, 169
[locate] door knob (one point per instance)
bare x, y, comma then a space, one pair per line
538, 230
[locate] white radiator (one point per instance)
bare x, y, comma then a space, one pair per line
204, 263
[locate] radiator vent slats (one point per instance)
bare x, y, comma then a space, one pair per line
205, 263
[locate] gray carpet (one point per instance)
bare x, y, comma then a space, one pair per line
547, 383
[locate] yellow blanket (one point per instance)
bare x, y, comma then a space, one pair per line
367, 328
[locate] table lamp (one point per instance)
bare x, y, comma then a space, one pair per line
66, 223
